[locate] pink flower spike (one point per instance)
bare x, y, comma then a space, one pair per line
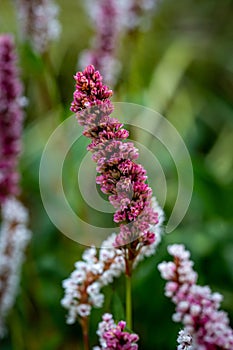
11, 118
119, 176
38, 22
197, 308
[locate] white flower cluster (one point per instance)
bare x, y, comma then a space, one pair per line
14, 237
184, 340
82, 288
38, 22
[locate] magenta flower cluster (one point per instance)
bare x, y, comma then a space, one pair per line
114, 337
120, 177
11, 117
196, 306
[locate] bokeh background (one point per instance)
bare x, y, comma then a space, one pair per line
182, 67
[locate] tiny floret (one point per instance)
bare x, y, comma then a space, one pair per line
184, 340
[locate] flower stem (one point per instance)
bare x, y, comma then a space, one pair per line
128, 300
84, 324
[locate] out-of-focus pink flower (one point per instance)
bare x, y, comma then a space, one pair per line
14, 234
11, 118
38, 22
102, 54
196, 306
111, 20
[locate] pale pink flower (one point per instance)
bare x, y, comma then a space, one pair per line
196, 306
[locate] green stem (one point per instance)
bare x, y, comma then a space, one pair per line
84, 323
128, 300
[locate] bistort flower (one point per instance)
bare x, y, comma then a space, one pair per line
120, 176
11, 118
38, 22
197, 308
114, 336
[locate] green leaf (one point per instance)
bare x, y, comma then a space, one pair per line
117, 307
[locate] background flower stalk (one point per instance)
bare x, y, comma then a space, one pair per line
14, 234
196, 306
11, 118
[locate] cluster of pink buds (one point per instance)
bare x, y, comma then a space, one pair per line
114, 337
196, 306
38, 22
120, 177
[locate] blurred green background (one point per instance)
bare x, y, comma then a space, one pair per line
181, 67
